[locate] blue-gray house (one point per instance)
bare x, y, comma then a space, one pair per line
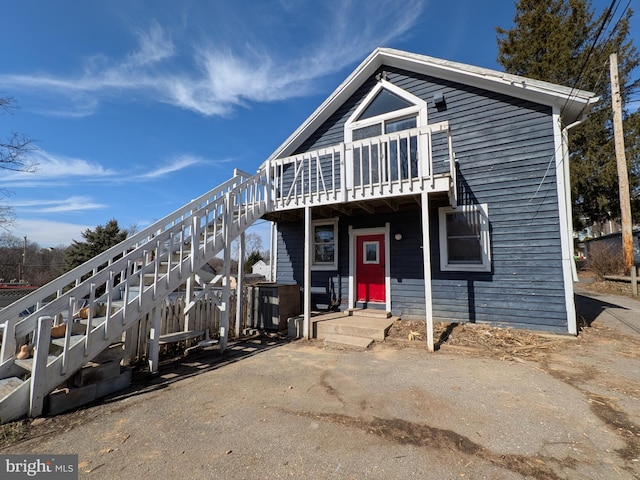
421, 187
432, 189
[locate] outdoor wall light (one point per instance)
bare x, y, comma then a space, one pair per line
398, 236
439, 101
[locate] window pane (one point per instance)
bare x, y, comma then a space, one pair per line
398, 125
324, 234
367, 132
371, 252
324, 244
384, 102
464, 243
464, 250
324, 253
463, 224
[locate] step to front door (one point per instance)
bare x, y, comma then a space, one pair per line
335, 340
374, 328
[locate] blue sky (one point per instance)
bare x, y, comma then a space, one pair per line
138, 107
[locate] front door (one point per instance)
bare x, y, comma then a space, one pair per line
370, 268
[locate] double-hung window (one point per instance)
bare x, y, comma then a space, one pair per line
325, 245
464, 238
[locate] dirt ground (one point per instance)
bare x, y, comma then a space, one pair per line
490, 403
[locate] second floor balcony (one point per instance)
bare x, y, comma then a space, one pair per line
405, 162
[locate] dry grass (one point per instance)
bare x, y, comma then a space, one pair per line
479, 339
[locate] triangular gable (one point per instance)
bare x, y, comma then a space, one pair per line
574, 104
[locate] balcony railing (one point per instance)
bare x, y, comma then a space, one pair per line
399, 163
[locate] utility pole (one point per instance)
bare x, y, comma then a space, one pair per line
623, 176
24, 260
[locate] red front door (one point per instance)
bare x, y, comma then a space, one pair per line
370, 268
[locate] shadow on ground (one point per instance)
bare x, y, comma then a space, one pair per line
590, 308
194, 363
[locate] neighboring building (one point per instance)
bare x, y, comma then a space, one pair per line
615, 240
261, 268
433, 189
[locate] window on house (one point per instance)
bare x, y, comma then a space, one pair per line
325, 245
464, 238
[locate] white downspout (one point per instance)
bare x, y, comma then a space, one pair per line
566, 223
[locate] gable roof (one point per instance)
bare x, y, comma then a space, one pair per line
573, 103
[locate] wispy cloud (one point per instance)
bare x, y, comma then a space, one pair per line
54, 169
179, 163
61, 170
69, 204
215, 76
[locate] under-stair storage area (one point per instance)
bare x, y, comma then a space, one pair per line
269, 305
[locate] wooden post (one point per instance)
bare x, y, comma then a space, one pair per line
225, 307
39, 372
306, 329
634, 281
154, 339
240, 285
623, 176
426, 257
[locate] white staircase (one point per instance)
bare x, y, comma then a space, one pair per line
119, 287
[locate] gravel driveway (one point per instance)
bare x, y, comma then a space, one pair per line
273, 409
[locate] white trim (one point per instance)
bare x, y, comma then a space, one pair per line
324, 266
569, 273
308, 231
485, 242
356, 232
426, 261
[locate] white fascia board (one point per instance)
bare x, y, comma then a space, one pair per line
574, 101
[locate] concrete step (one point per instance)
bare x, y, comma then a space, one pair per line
366, 327
8, 385
347, 342
368, 312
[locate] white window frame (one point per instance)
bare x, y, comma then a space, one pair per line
485, 244
418, 109
324, 265
375, 261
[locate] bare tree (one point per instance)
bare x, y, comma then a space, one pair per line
14, 156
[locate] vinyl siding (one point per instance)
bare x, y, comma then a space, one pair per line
506, 159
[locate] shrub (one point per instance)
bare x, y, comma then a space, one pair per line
605, 259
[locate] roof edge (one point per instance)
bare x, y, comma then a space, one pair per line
574, 103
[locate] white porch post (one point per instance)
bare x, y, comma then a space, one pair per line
154, 339
306, 329
240, 285
224, 307
426, 260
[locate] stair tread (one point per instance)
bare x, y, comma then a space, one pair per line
7, 385
72, 340
27, 363
368, 312
347, 341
